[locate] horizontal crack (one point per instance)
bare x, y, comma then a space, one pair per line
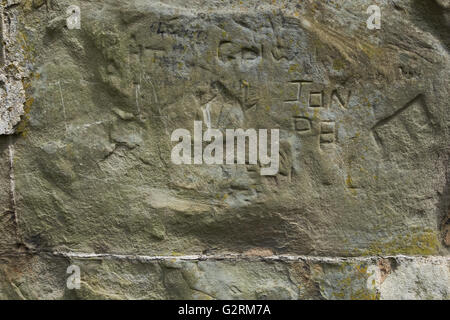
241, 257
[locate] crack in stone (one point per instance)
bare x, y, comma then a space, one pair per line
12, 186
241, 257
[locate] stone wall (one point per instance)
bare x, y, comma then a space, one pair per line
359, 209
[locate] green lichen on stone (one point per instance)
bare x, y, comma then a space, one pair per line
363, 121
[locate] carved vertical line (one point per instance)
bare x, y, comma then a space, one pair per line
12, 186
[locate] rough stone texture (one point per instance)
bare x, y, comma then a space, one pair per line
228, 277
364, 148
13, 70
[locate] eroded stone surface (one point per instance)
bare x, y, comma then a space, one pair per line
115, 277
363, 118
13, 70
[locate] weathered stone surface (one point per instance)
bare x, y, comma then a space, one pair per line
128, 277
14, 69
364, 147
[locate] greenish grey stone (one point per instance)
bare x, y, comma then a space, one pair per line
364, 155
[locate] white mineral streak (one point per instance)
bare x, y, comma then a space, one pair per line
235, 256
